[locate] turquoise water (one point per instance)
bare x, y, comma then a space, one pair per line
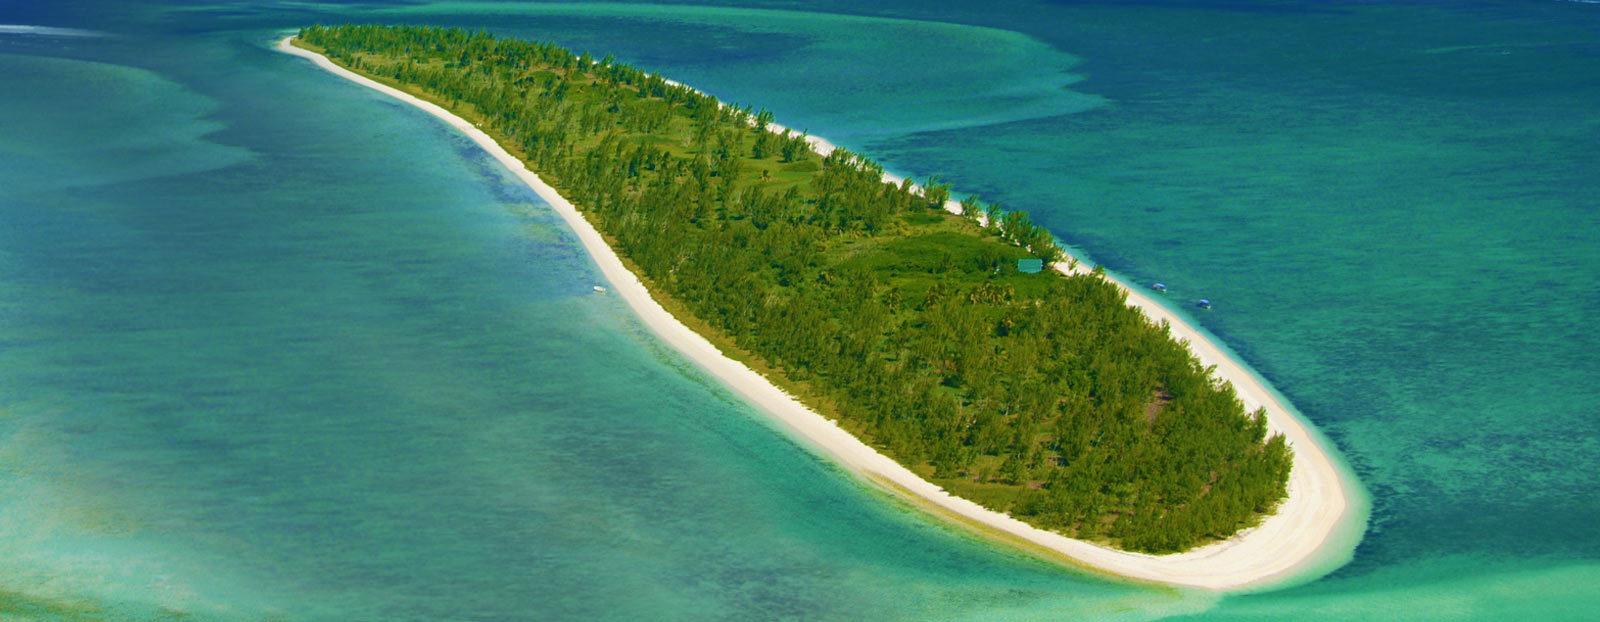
272, 347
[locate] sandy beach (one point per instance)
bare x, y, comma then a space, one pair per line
1313, 530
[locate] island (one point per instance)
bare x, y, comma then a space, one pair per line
901, 332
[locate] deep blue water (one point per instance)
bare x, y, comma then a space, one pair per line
272, 347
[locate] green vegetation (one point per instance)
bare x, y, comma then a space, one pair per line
1041, 395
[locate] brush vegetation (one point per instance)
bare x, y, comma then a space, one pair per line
1042, 395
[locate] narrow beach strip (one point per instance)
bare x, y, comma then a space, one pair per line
1297, 539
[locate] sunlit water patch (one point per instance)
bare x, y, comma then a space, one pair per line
876, 76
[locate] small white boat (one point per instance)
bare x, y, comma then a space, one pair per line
599, 290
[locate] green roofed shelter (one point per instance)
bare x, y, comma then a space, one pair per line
1030, 266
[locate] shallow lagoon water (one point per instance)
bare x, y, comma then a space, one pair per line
274, 346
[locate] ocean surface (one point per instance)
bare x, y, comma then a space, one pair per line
273, 347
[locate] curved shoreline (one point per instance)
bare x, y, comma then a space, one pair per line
1295, 540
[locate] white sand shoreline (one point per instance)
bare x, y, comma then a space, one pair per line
1297, 540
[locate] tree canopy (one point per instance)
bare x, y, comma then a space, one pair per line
1043, 395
